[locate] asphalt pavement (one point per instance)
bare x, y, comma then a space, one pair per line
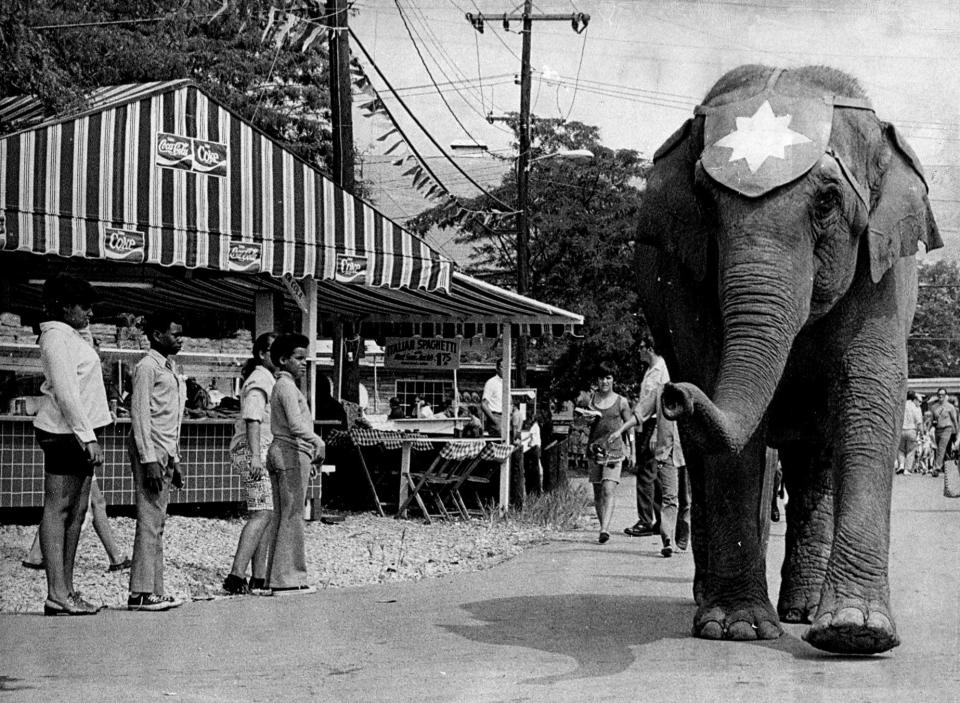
567, 621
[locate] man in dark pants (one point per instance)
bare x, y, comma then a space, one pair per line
647, 500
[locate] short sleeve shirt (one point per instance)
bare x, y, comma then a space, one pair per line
493, 394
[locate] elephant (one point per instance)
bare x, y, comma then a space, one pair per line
776, 267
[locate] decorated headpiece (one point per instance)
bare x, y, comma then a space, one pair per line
762, 142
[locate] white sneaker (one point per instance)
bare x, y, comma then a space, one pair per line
293, 591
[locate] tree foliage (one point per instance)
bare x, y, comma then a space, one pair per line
582, 223
58, 49
933, 348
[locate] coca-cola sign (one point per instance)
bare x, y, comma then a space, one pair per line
351, 269
192, 154
209, 157
123, 245
244, 257
174, 151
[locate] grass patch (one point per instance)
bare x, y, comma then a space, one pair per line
563, 508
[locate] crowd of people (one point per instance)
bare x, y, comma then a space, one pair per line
928, 437
274, 448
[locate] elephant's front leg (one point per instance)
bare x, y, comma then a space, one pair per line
808, 478
734, 603
854, 614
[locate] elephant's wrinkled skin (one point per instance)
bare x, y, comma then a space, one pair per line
783, 317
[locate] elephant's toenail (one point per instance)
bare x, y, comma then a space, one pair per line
879, 621
769, 631
741, 630
848, 617
710, 630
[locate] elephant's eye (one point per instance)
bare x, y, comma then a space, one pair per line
826, 202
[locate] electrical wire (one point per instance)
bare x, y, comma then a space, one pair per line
419, 124
456, 118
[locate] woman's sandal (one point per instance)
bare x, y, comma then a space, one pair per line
52, 607
604, 537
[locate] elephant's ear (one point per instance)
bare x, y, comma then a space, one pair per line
901, 214
670, 218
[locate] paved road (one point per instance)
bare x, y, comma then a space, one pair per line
571, 621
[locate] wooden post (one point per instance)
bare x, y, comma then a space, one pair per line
309, 327
506, 407
264, 315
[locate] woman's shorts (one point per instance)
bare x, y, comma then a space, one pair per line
259, 491
606, 471
63, 455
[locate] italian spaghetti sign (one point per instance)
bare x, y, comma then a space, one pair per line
422, 353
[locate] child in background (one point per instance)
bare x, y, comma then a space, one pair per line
291, 461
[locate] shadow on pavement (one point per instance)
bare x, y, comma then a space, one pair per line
597, 631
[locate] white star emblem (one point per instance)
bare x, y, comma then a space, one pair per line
759, 137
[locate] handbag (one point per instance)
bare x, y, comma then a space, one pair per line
951, 479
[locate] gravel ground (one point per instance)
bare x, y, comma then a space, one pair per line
362, 550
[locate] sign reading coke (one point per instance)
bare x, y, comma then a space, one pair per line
123, 245
244, 257
174, 151
351, 269
191, 154
209, 158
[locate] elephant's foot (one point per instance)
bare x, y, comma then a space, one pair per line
853, 629
756, 621
797, 605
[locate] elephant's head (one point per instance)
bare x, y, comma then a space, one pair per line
779, 183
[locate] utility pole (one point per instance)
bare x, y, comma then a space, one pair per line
341, 117
579, 22
340, 95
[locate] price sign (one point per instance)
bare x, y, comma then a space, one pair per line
422, 353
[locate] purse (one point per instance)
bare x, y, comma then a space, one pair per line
951, 479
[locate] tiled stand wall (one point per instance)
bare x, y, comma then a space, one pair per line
204, 447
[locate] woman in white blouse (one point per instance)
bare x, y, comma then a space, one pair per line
73, 409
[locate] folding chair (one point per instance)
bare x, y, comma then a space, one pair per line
441, 474
492, 455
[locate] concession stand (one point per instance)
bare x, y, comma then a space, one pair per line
162, 197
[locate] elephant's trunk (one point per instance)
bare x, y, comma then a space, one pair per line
763, 306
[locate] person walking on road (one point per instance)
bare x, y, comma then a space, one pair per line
248, 454
671, 472
72, 411
606, 448
909, 434
946, 423
158, 399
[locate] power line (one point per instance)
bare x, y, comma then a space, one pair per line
422, 128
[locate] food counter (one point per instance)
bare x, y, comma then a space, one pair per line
204, 444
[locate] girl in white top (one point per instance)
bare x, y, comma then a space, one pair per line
73, 409
248, 452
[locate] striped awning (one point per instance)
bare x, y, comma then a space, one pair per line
162, 174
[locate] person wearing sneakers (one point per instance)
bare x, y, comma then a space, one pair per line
253, 431
292, 460
157, 402
674, 484
606, 449
73, 410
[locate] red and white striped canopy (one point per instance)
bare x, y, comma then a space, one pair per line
162, 174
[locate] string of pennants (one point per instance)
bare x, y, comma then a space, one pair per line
295, 27
422, 180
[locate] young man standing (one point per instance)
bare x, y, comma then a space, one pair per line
492, 401
156, 411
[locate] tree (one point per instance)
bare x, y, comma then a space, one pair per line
582, 223
58, 49
933, 347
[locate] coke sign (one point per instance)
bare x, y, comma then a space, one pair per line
209, 158
351, 269
192, 154
123, 245
174, 151
244, 257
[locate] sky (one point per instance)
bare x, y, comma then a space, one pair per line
638, 70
